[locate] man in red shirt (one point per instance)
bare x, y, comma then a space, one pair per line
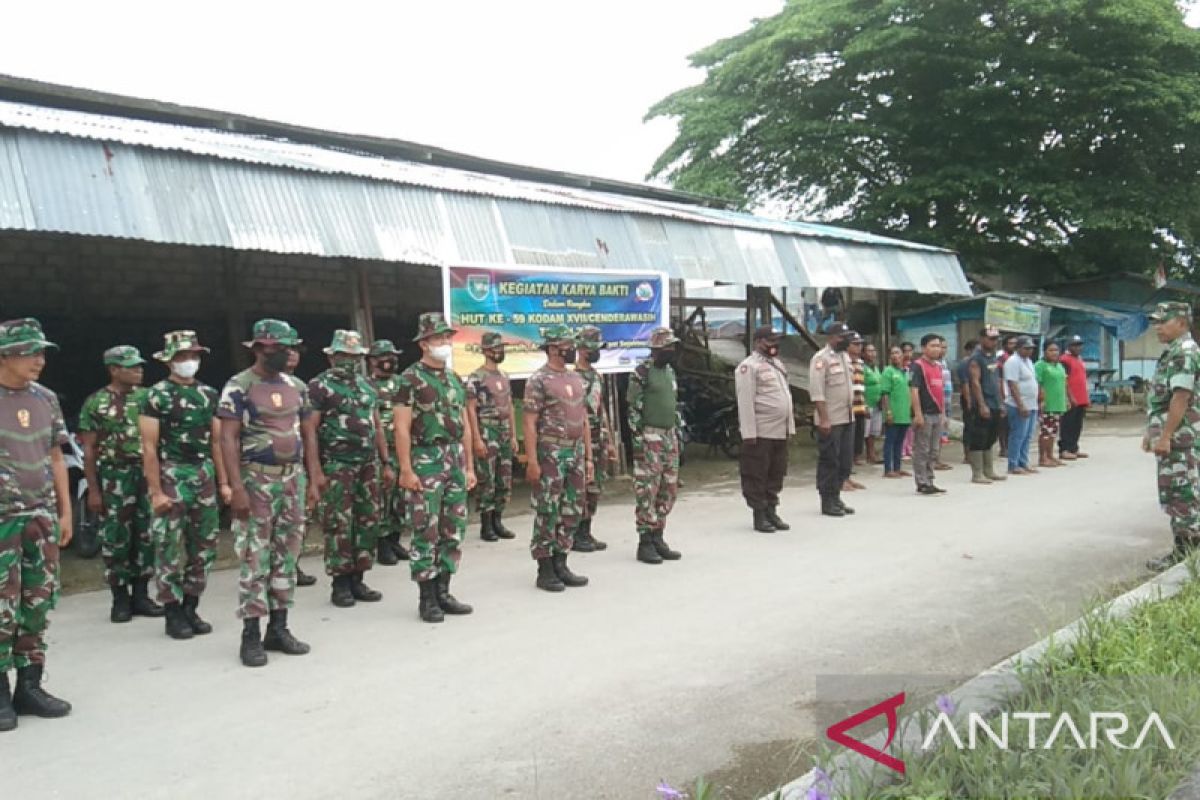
1078, 399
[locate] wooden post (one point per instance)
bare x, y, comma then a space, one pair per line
235, 313
751, 312
361, 317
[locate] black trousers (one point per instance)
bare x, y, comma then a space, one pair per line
981, 433
763, 465
835, 458
1070, 429
860, 435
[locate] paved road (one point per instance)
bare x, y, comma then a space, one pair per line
670, 671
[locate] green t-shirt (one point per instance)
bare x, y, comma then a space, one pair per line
872, 389
1053, 380
894, 384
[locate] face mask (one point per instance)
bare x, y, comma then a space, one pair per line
498, 356
664, 359
591, 356
842, 346
345, 365
568, 355
276, 361
387, 367
186, 369
772, 351
441, 352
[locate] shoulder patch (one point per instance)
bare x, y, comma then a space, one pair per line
744, 368
820, 364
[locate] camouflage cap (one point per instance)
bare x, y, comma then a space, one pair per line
432, 323
591, 337
123, 355
274, 331
383, 347
1169, 310
346, 342
491, 339
23, 337
176, 342
555, 334
662, 337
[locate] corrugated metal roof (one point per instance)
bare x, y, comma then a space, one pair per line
92, 174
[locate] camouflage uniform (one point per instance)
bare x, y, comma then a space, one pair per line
492, 394
349, 507
31, 428
654, 427
1178, 368
391, 500
591, 338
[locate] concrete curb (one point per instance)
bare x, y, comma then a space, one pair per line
984, 694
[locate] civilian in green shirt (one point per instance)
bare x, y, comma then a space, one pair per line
1052, 402
896, 401
872, 392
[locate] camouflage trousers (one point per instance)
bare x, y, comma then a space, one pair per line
349, 514
1178, 494
268, 541
438, 513
557, 498
392, 518
494, 470
28, 587
655, 477
600, 473
185, 537
125, 528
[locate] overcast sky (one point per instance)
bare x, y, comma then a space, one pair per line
550, 83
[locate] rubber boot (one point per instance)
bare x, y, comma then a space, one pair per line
1178, 553
761, 523
393, 539
547, 578
989, 467
122, 610
303, 578
647, 553
498, 525
773, 518
446, 601
487, 526
176, 624
30, 699
280, 639
360, 591
252, 652
199, 626
662, 548
427, 606
340, 594
596, 543
977, 475
142, 605
582, 542
564, 573
8, 715
830, 507
385, 555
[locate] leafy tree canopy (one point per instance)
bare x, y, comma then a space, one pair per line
1060, 134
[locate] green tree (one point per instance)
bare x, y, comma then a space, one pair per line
1055, 133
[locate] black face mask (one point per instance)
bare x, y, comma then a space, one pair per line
276, 361
591, 356
568, 355
772, 351
842, 346
664, 358
387, 366
498, 356
346, 366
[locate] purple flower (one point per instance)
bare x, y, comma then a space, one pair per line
822, 776
945, 704
815, 794
668, 792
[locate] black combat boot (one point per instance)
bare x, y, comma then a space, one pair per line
582, 542
122, 611
385, 555
428, 606
547, 578
252, 652
773, 517
8, 715
199, 627
303, 578
398, 548
662, 548
447, 601
498, 526
647, 553
596, 543
832, 507
1165, 562
142, 605
30, 699
176, 624
360, 591
564, 572
341, 596
487, 526
280, 639
761, 523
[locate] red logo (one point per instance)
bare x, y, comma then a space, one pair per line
837, 732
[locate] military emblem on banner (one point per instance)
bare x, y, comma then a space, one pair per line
644, 292
479, 287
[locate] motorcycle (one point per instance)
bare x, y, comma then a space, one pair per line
710, 419
86, 535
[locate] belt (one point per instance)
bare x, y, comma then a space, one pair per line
272, 469
558, 441
653, 429
438, 443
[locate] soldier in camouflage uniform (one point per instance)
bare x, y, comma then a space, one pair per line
35, 519
112, 463
1173, 409
183, 468
266, 448
604, 451
302, 579
654, 425
559, 465
433, 442
350, 439
494, 424
382, 363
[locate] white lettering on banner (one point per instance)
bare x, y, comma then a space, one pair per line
976, 724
